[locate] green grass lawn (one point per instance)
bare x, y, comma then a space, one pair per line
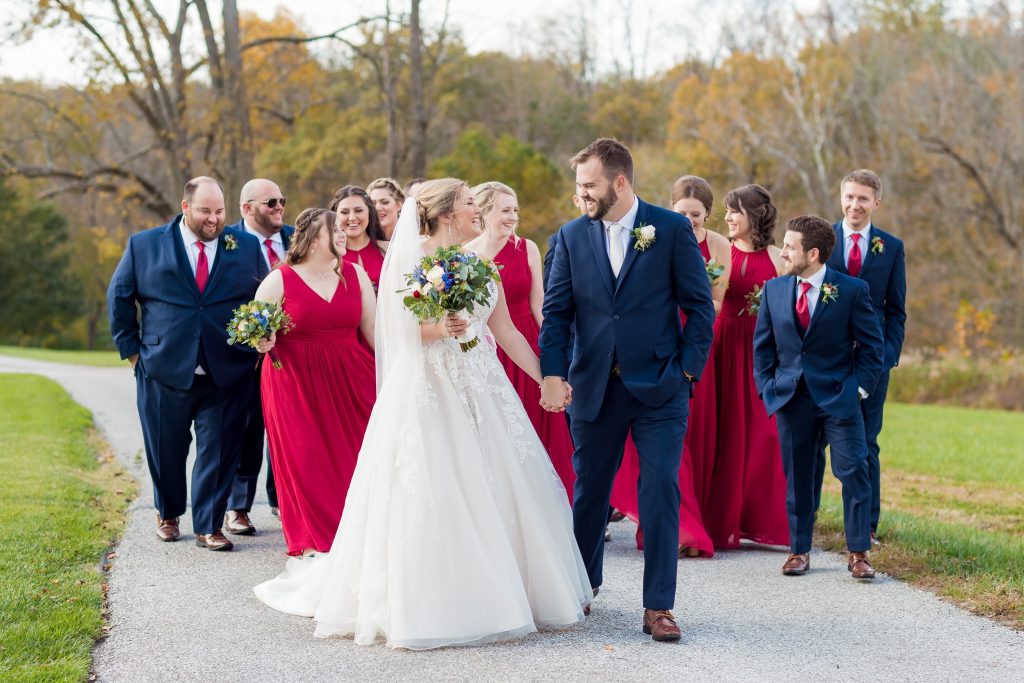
106, 359
62, 502
952, 506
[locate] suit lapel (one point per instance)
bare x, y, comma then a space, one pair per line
868, 254
838, 259
174, 250
604, 266
631, 251
819, 307
790, 303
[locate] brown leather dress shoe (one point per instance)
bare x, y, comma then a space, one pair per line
616, 516
661, 625
859, 566
167, 529
214, 541
237, 522
797, 564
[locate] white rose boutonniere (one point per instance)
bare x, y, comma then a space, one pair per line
643, 237
829, 292
230, 244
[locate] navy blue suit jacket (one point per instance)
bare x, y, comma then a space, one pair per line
633, 318
840, 351
886, 274
154, 273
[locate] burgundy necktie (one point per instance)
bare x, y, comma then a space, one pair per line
803, 311
854, 263
271, 254
202, 268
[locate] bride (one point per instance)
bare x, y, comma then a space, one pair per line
456, 529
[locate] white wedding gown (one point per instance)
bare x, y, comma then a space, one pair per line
456, 528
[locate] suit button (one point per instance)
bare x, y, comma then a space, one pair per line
796, 381
615, 317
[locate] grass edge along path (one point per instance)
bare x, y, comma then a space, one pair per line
980, 571
98, 359
63, 499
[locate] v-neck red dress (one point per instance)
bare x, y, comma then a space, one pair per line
316, 406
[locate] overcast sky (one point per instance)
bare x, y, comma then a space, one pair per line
664, 31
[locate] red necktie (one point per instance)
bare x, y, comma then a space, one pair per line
803, 311
854, 263
271, 254
202, 268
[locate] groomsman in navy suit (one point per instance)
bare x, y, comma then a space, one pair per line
876, 257
186, 278
817, 354
262, 206
622, 272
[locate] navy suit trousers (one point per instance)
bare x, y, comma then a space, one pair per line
658, 434
802, 427
167, 415
254, 450
872, 408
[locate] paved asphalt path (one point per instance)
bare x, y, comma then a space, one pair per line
180, 613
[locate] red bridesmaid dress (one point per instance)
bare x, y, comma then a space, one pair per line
695, 468
316, 406
516, 279
370, 258
748, 488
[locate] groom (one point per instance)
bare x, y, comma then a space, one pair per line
622, 272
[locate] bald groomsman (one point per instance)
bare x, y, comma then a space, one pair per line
186, 278
261, 204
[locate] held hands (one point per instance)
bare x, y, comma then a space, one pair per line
555, 394
264, 345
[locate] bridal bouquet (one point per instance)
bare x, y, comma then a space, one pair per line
450, 281
256, 320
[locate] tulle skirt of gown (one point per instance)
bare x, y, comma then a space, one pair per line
456, 529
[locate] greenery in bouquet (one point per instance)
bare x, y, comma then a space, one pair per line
449, 281
714, 270
754, 300
256, 320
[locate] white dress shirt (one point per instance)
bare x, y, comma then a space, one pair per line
276, 243
192, 250
865, 241
816, 281
626, 222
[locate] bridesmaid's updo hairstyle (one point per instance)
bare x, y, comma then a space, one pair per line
693, 187
756, 203
389, 184
486, 196
373, 229
435, 198
308, 226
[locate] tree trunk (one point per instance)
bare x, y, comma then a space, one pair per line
237, 143
388, 78
419, 109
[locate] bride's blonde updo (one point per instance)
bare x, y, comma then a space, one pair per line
435, 198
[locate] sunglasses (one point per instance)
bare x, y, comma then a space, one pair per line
271, 203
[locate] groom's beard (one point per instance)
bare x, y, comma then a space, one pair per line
603, 204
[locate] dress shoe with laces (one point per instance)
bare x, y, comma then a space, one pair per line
859, 566
237, 522
214, 541
661, 625
797, 564
167, 529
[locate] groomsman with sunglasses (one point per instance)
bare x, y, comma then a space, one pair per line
262, 207
865, 251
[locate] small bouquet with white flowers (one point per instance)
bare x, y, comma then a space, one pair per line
714, 270
450, 281
256, 320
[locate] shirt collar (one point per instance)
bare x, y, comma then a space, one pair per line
629, 219
276, 237
190, 237
847, 231
816, 280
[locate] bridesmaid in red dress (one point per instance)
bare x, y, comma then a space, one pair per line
748, 487
693, 198
358, 218
317, 404
521, 278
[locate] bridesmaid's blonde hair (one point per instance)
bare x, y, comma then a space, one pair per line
486, 196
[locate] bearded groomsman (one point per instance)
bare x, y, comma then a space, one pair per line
262, 207
817, 355
187, 277
876, 257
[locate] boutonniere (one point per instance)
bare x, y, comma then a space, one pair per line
877, 245
829, 292
230, 243
643, 237
753, 301
714, 270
